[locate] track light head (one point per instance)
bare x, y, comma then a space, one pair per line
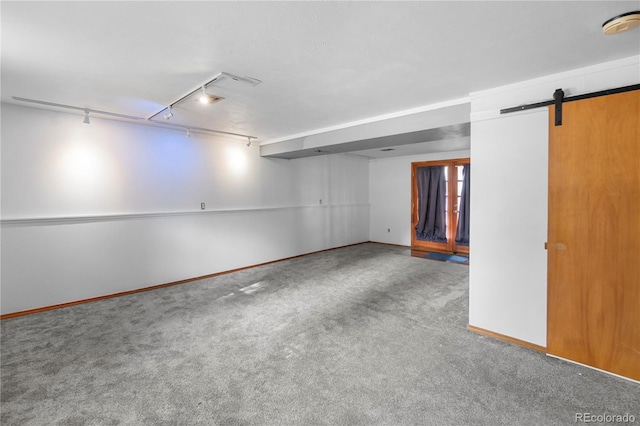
86, 117
249, 142
169, 113
204, 98
188, 133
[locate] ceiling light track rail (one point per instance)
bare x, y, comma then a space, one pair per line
182, 98
140, 120
75, 108
198, 129
202, 87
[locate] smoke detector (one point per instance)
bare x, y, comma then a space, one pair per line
622, 23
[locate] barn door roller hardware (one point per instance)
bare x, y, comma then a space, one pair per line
559, 99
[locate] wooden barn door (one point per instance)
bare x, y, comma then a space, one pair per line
594, 234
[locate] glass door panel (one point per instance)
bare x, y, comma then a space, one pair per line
450, 203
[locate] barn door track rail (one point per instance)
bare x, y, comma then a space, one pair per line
559, 99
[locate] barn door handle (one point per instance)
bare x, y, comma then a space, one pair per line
560, 247
557, 246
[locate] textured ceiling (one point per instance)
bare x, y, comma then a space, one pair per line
321, 64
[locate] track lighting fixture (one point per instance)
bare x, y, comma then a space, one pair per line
200, 95
124, 117
204, 98
249, 142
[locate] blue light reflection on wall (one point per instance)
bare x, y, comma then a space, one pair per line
137, 104
172, 168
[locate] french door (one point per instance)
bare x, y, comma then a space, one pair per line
446, 197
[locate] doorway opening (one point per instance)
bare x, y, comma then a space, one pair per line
440, 206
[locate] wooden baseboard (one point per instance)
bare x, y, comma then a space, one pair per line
507, 338
155, 287
389, 244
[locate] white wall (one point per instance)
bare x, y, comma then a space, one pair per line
390, 195
90, 210
509, 226
508, 267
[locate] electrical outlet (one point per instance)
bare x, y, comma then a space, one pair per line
201, 206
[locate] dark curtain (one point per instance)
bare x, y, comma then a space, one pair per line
462, 233
432, 192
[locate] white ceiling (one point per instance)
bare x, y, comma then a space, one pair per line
322, 64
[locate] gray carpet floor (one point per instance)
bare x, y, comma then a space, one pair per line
363, 335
